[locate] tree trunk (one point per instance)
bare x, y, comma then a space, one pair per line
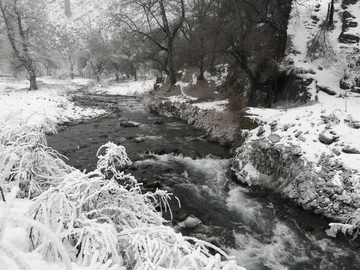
72, 75
330, 17
98, 77
33, 83
171, 62
201, 76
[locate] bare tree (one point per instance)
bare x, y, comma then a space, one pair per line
330, 15
201, 30
157, 21
21, 24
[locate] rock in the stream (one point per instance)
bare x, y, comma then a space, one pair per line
190, 222
129, 124
138, 139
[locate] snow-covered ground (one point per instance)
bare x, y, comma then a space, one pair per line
125, 88
19, 105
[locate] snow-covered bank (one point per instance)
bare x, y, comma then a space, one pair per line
51, 101
199, 104
125, 88
311, 154
212, 120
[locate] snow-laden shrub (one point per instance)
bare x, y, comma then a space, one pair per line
6, 249
11, 252
86, 211
27, 161
320, 46
115, 156
161, 247
100, 221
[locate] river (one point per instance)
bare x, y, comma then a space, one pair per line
260, 229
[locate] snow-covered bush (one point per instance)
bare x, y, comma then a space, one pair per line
115, 156
102, 221
320, 46
8, 250
161, 248
87, 211
27, 161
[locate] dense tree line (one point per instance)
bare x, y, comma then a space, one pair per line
166, 35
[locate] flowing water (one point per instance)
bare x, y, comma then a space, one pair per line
261, 230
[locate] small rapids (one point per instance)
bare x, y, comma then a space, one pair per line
259, 229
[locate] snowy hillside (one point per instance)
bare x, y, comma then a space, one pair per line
326, 132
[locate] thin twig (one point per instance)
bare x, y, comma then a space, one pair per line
2, 194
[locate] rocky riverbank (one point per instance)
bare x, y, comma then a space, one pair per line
216, 124
327, 186
278, 155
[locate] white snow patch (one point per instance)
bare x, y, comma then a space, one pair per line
127, 88
219, 105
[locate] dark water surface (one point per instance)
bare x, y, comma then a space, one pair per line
261, 230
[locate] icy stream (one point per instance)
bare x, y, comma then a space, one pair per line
261, 230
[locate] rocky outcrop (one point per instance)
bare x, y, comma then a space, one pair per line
324, 188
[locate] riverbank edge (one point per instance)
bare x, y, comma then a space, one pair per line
281, 168
209, 121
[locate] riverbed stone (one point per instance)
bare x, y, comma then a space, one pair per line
138, 139
190, 222
129, 124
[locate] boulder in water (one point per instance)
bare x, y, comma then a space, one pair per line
190, 222
129, 124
